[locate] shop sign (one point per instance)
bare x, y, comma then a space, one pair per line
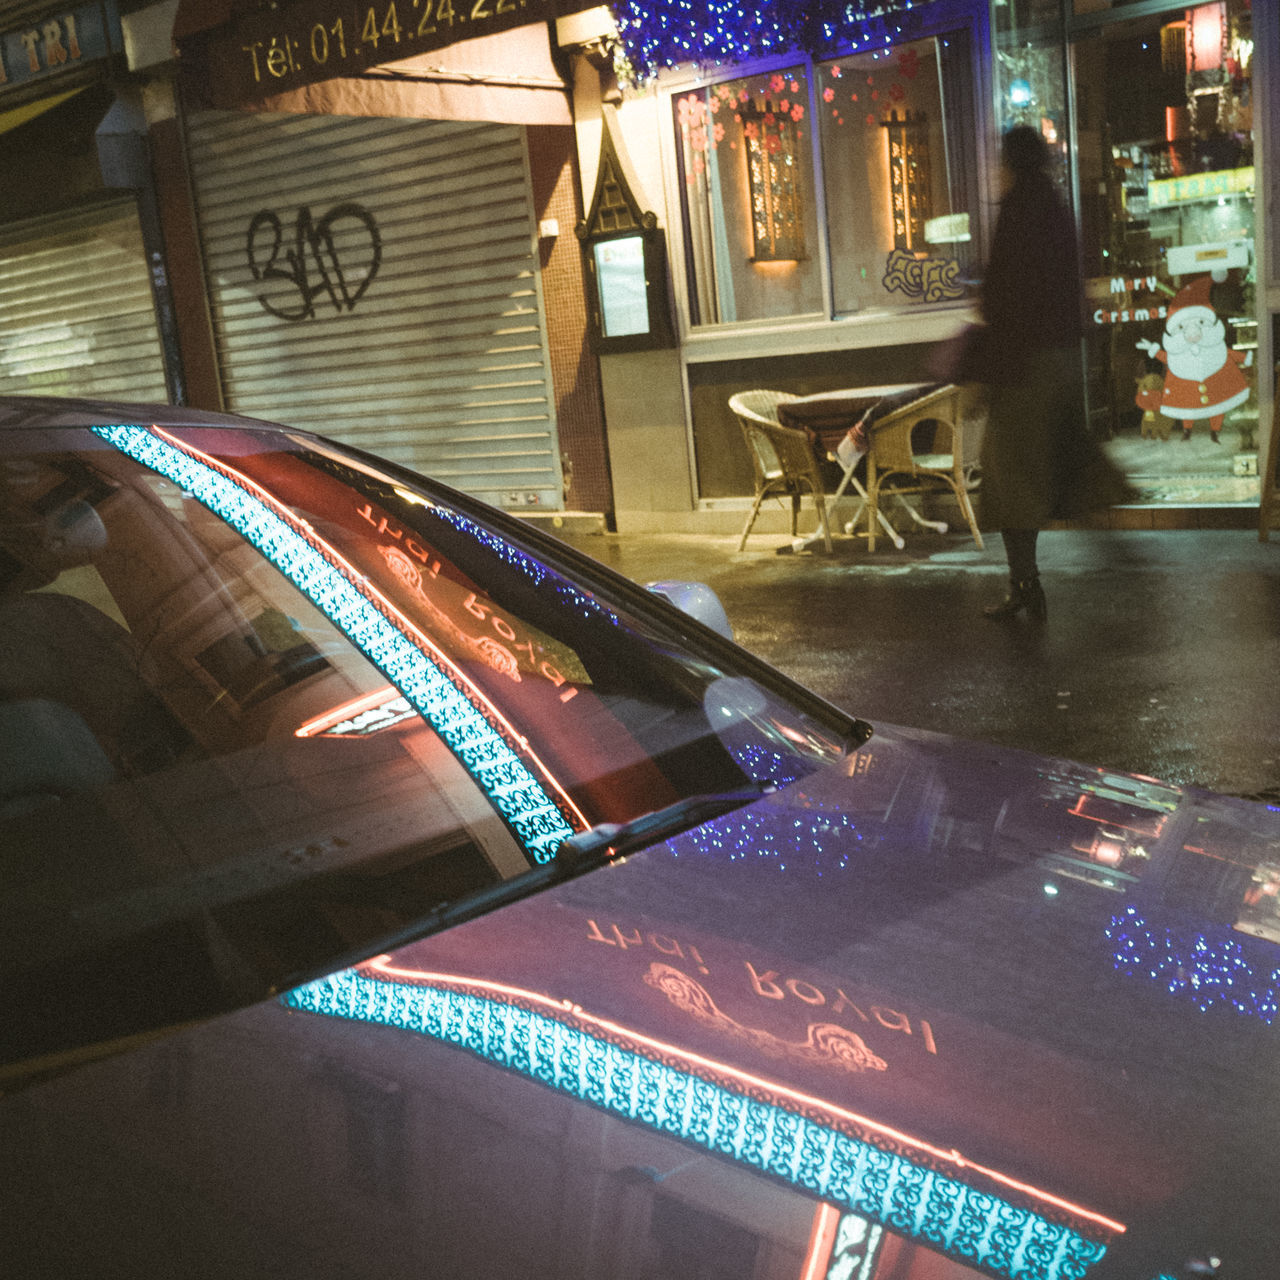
269, 51
1163, 192
62, 41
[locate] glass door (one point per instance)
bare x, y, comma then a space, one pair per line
1164, 149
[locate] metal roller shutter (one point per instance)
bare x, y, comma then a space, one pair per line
77, 317
376, 279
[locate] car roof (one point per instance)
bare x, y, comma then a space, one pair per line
57, 411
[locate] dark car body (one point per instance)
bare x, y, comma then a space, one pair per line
390, 891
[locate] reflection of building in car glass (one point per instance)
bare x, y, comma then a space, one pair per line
371, 859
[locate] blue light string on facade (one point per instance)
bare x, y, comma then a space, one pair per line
1212, 972
533, 818
658, 34
975, 1227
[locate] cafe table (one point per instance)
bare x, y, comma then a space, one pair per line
835, 422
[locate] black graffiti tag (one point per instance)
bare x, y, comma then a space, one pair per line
313, 254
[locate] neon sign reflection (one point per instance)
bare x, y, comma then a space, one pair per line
936, 1196
472, 728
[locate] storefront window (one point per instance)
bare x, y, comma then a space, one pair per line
890, 140
751, 227
900, 173
1165, 154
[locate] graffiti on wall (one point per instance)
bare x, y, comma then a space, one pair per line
324, 258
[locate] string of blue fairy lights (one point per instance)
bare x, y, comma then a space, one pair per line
1219, 969
532, 816
658, 34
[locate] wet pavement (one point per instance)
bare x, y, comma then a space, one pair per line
1161, 654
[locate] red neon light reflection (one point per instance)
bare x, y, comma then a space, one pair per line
666, 1050
397, 619
822, 1239
347, 711
1151, 829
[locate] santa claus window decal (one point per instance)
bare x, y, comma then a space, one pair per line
1203, 378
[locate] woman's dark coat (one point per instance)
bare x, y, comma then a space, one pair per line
1039, 462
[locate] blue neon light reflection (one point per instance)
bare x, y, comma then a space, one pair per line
528, 810
807, 842
1225, 971
972, 1226
532, 568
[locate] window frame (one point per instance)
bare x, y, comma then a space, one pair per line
890, 325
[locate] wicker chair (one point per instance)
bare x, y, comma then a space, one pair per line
895, 469
782, 458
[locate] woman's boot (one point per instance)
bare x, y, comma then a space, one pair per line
1024, 593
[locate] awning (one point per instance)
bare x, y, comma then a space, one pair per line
16, 116
331, 57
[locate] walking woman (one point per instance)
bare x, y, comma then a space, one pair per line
1038, 461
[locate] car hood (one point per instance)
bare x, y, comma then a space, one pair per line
945, 982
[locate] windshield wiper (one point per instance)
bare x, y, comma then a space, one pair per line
608, 840
576, 856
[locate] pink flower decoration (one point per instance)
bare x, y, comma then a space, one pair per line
797, 113
718, 133
770, 118
776, 84
773, 144
897, 92
828, 94
784, 106
837, 72
795, 86
715, 105
909, 63
870, 118
743, 95
751, 130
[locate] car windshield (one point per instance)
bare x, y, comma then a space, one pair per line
266, 704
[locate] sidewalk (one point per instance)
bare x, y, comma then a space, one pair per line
1161, 654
